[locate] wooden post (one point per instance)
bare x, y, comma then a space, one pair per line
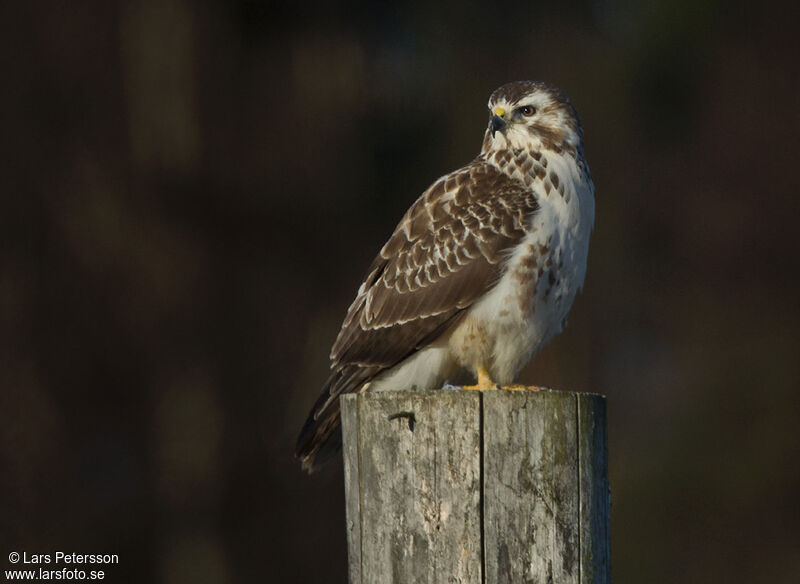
476, 487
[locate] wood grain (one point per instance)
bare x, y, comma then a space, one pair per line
476, 487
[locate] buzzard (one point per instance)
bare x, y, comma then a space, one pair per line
479, 274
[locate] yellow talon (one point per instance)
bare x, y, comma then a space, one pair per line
484, 381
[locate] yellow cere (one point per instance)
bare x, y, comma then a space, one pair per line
498, 111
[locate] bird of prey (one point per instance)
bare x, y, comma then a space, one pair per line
480, 272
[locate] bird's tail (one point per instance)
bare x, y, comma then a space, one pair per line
321, 436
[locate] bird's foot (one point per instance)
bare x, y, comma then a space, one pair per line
480, 387
484, 381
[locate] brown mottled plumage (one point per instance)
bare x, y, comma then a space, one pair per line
456, 289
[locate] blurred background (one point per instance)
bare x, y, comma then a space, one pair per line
191, 192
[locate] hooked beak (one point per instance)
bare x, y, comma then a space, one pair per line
496, 123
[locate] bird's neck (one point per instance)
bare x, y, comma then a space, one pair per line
531, 164
518, 163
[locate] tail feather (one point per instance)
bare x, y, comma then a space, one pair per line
321, 436
320, 439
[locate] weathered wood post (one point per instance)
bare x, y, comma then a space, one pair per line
476, 487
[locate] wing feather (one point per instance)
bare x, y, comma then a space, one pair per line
444, 255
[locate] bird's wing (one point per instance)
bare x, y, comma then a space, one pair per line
446, 252
444, 255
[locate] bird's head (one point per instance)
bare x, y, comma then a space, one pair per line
531, 115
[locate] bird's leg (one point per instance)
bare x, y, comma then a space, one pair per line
484, 381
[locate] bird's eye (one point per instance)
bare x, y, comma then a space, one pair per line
527, 110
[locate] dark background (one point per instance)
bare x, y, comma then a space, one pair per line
192, 191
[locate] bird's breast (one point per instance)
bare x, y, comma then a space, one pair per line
541, 277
